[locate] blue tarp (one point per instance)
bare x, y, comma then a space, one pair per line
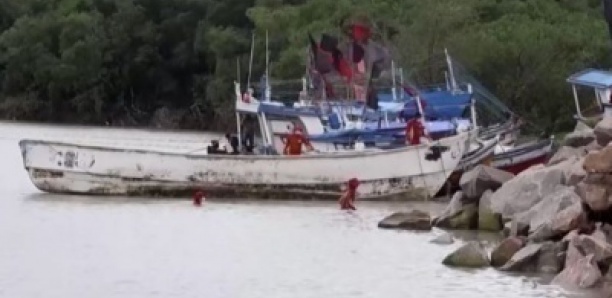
438, 104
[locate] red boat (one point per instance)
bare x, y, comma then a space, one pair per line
519, 158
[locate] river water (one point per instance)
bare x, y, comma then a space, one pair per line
74, 246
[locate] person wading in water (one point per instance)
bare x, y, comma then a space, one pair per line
347, 200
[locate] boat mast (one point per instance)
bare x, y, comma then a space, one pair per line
238, 120
251, 60
451, 71
268, 92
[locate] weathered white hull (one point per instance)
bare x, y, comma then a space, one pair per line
522, 157
403, 173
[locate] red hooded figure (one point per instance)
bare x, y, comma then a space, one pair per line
198, 197
347, 200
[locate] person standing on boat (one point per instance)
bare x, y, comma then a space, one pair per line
295, 141
248, 138
415, 131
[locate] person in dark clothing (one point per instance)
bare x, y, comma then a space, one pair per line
233, 141
248, 139
214, 148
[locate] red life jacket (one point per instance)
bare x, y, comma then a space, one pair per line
293, 144
418, 130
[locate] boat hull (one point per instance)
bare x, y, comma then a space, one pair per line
403, 173
523, 157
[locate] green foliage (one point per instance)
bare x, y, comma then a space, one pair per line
98, 61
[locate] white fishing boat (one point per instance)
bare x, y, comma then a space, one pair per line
407, 172
404, 173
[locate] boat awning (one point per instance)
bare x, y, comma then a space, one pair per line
594, 78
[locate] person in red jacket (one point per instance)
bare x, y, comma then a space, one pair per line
295, 141
347, 200
415, 130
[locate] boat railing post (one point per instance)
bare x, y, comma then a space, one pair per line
473, 112
266, 129
239, 129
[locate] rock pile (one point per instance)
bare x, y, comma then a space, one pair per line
557, 217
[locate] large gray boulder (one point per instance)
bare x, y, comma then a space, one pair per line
603, 131
487, 219
413, 220
564, 153
578, 139
597, 246
597, 196
515, 227
599, 161
551, 258
571, 218
504, 251
527, 189
575, 173
524, 259
460, 214
549, 210
472, 254
581, 271
454, 206
482, 178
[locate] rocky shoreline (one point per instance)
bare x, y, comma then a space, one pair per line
556, 217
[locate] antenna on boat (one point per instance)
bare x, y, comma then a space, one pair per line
453, 82
238, 69
401, 76
251, 59
393, 90
268, 91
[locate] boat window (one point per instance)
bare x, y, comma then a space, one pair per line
590, 99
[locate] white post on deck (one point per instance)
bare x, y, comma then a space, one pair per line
239, 129
473, 113
451, 71
268, 92
576, 101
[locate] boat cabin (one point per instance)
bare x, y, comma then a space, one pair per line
600, 81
